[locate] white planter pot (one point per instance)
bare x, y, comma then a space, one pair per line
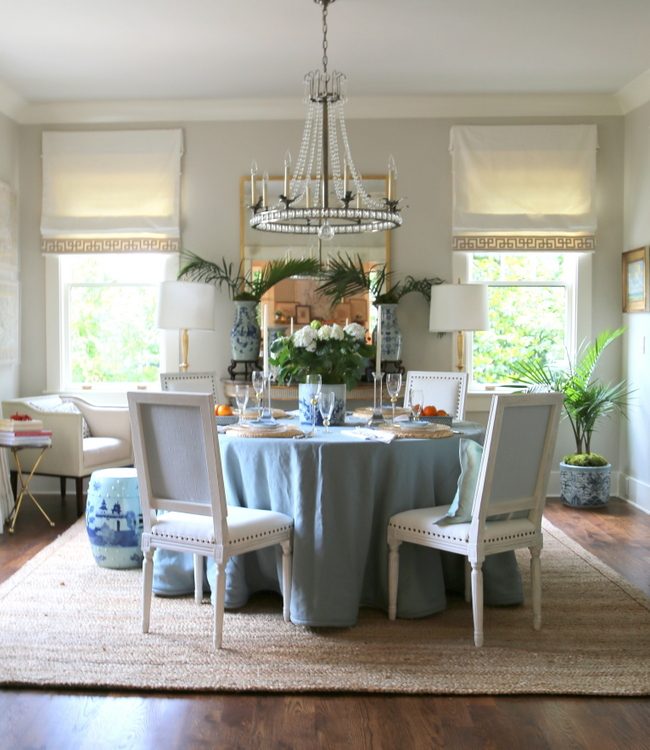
584, 486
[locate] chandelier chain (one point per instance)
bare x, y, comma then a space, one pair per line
325, 37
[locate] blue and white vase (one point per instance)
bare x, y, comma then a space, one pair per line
305, 391
114, 518
391, 336
245, 333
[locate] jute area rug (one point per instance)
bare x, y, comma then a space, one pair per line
65, 622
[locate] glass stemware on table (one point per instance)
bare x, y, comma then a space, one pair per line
415, 403
326, 401
316, 381
377, 417
241, 397
258, 387
393, 386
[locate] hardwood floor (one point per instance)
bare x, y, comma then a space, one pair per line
61, 720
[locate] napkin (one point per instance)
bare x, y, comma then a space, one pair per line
364, 433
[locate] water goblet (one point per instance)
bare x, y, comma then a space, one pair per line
258, 387
415, 402
316, 381
393, 385
326, 402
241, 397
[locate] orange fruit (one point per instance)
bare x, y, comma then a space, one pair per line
223, 410
429, 411
441, 413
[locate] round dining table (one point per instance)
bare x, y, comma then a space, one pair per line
341, 489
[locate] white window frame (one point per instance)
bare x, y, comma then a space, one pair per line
578, 320
57, 324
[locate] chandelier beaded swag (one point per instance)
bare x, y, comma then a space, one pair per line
324, 195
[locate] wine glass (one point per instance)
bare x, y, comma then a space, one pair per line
326, 402
258, 387
316, 381
393, 386
241, 397
415, 402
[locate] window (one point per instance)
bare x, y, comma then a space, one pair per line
107, 320
534, 306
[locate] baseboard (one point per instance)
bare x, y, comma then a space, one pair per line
632, 490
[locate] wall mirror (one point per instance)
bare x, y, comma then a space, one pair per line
296, 300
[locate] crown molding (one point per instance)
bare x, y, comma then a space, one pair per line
402, 107
636, 93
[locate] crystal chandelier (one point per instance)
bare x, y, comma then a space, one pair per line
325, 194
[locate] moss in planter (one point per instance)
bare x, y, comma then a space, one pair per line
585, 459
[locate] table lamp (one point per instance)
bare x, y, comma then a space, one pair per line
185, 305
458, 308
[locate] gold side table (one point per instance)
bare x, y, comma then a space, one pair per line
42, 446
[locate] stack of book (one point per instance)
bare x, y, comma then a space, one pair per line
19, 429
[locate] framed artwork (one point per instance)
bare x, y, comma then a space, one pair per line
303, 315
359, 312
342, 313
636, 280
9, 320
8, 229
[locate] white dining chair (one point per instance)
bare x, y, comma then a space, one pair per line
194, 382
444, 390
179, 471
500, 499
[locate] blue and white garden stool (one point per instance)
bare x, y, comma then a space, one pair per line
114, 518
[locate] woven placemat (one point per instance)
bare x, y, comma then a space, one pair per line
283, 431
430, 432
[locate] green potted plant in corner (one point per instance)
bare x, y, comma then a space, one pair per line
345, 276
584, 475
246, 290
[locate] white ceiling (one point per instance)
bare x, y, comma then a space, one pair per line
81, 51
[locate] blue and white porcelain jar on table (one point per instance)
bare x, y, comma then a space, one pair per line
114, 518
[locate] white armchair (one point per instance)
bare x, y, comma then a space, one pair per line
72, 454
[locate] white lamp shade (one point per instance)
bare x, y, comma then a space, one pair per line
186, 304
458, 307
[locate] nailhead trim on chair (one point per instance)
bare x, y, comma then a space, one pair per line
428, 532
249, 537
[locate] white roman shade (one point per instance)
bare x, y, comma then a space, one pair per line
111, 191
524, 187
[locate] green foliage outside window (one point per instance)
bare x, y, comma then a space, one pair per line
113, 336
523, 319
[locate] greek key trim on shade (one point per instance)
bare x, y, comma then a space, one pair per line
521, 243
111, 245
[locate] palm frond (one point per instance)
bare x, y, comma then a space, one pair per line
345, 276
279, 270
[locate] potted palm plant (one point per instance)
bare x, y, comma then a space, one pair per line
345, 276
246, 289
584, 475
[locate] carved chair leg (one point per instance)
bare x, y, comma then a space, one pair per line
393, 575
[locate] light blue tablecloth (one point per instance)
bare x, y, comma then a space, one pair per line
341, 491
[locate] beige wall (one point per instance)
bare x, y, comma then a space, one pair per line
218, 153
9, 175
635, 433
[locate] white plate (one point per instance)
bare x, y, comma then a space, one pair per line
263, 425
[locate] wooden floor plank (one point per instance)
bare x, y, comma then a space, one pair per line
59, 720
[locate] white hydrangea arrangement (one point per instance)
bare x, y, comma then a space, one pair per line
337, 354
